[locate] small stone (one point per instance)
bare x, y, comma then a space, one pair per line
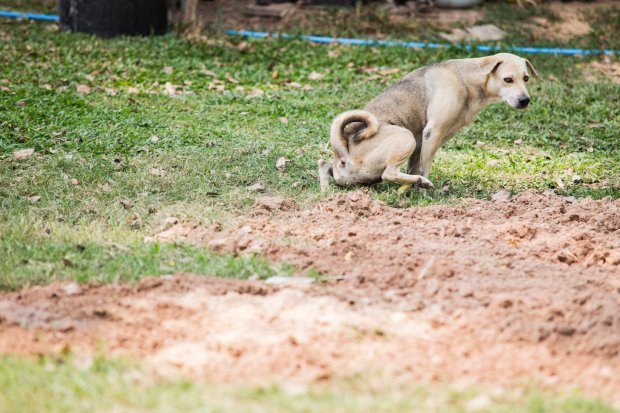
23, 153
34, 199
281, 163
154, 139
502, 195
257, 187
72, 289
282, 280
275, 203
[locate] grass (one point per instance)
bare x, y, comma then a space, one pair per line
64, 385
110, 166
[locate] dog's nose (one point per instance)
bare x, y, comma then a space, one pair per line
524, 101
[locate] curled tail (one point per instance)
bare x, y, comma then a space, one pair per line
339, 142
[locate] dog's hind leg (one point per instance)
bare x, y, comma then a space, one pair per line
325, 171
402, 147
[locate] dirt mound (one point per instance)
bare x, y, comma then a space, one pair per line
606, 70
483, 292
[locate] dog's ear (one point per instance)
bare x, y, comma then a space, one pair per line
531, 69
490, 64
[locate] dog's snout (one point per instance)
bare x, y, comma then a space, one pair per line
524, 101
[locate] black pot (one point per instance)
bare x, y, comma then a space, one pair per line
109, 18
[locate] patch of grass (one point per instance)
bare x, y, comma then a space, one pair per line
33, 6
112, 165
61, 385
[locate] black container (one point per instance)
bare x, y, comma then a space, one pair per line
110, 18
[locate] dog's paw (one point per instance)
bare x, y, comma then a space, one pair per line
425, 183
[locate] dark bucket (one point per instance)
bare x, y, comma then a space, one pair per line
110, 18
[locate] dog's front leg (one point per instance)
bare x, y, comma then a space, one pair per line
433, 138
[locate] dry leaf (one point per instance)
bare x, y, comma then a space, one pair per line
127, 204
275, 74
23, 153
281, 163
560, 183
82, 88
157, 172
231, 79
132, 90
21, 103
295, 85
386, 72
4, 88
480, 143
154, 138
209, 73
284, 120
134, 221
168, 70
315, 75
518, 142
105, 187
255, 93
46, 86
171, 89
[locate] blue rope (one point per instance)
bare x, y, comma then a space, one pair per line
367, 42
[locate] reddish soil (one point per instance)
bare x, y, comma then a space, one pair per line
487, 292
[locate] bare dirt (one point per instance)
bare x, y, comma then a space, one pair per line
486, 292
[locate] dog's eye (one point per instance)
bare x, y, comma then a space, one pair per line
525, 78
508, 79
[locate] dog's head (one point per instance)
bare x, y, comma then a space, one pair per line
507, 75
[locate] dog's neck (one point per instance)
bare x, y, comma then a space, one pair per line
478, 95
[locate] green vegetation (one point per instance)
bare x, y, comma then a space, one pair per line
116, 155
61, 385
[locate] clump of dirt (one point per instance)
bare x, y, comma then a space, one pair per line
606, 69
484, 292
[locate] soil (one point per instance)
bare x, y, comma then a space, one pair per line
492, 293
606, 70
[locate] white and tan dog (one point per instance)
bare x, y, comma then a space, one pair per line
412, 119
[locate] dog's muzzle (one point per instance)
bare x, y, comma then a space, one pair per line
524, 101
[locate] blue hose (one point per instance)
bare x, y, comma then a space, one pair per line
368, 42
421, 45
31, 16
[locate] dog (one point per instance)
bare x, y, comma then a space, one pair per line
412, 119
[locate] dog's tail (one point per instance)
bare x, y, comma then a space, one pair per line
339, 141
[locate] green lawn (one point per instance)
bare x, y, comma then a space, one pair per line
65, 386
222, 132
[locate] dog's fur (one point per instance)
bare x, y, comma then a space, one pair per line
416, 116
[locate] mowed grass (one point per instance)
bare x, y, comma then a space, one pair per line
116, 155
65, 386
